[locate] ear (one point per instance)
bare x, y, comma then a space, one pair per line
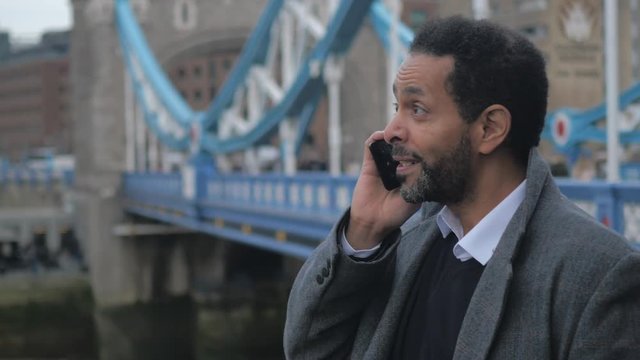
493, 126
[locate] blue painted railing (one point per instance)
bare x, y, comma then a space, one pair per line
46, 177
292, 215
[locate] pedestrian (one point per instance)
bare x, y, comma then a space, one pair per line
500, 265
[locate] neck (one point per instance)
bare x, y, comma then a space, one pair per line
495, 177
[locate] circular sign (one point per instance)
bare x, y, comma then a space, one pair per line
561, 129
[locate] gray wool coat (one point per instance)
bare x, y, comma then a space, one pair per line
559, 286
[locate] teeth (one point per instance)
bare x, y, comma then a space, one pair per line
407, 163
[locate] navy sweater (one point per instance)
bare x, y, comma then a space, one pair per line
436, 305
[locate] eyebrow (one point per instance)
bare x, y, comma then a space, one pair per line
409, 90
412, 90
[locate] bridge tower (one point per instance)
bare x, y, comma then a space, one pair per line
124, 270
127, 270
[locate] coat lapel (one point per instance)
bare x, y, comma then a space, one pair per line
488, 302
484, 312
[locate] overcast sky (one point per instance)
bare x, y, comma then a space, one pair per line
27, 19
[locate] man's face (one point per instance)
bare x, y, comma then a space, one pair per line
430, 139
445, 181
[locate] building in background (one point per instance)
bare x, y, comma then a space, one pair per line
570, 33
34, 96
199, 75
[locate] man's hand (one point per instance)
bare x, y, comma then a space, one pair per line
375, 212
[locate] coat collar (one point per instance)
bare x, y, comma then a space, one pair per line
487, 303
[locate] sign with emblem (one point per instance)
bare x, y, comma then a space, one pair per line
579, 23
577, 20
561, 129
576, 58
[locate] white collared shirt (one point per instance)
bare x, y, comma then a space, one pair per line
481, 241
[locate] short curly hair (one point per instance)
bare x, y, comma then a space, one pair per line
492, 65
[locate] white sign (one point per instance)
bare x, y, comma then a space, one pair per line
561, 129
188, 182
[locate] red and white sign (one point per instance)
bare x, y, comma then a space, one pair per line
561, 129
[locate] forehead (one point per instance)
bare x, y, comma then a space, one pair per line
427, 72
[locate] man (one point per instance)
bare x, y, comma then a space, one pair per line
501, 265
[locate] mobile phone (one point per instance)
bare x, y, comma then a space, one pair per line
381, 151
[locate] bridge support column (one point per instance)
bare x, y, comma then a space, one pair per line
24, 233
53, 236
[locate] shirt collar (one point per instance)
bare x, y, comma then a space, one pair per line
481, 241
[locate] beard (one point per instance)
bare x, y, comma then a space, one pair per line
446, 181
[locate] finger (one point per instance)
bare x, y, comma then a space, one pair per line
377, 135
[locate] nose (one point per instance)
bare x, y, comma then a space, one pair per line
395, 131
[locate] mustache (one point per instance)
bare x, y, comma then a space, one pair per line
399, 150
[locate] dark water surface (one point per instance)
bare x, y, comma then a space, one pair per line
53, 317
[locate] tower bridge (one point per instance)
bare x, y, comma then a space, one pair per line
147, 158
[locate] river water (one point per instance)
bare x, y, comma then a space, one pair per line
51, 316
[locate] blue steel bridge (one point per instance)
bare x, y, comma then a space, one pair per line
290, 61
292, 211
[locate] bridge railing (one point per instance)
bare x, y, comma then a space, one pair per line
615, 205
293, 214
35, 177
286, 214
307, 193
160, 192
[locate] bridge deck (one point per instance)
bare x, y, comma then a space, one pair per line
291, 215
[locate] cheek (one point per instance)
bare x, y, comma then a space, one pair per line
434, 138
430, 152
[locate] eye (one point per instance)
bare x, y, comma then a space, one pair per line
395, 106
417, 110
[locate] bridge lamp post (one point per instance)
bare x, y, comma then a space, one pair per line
611, 67
129, 124
333, 73
395, 7
481, 9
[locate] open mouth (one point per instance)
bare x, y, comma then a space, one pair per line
405, 165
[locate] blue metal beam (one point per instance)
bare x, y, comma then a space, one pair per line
583, 126
253, 52
339, 35
131, 32
255, 240
381, 21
